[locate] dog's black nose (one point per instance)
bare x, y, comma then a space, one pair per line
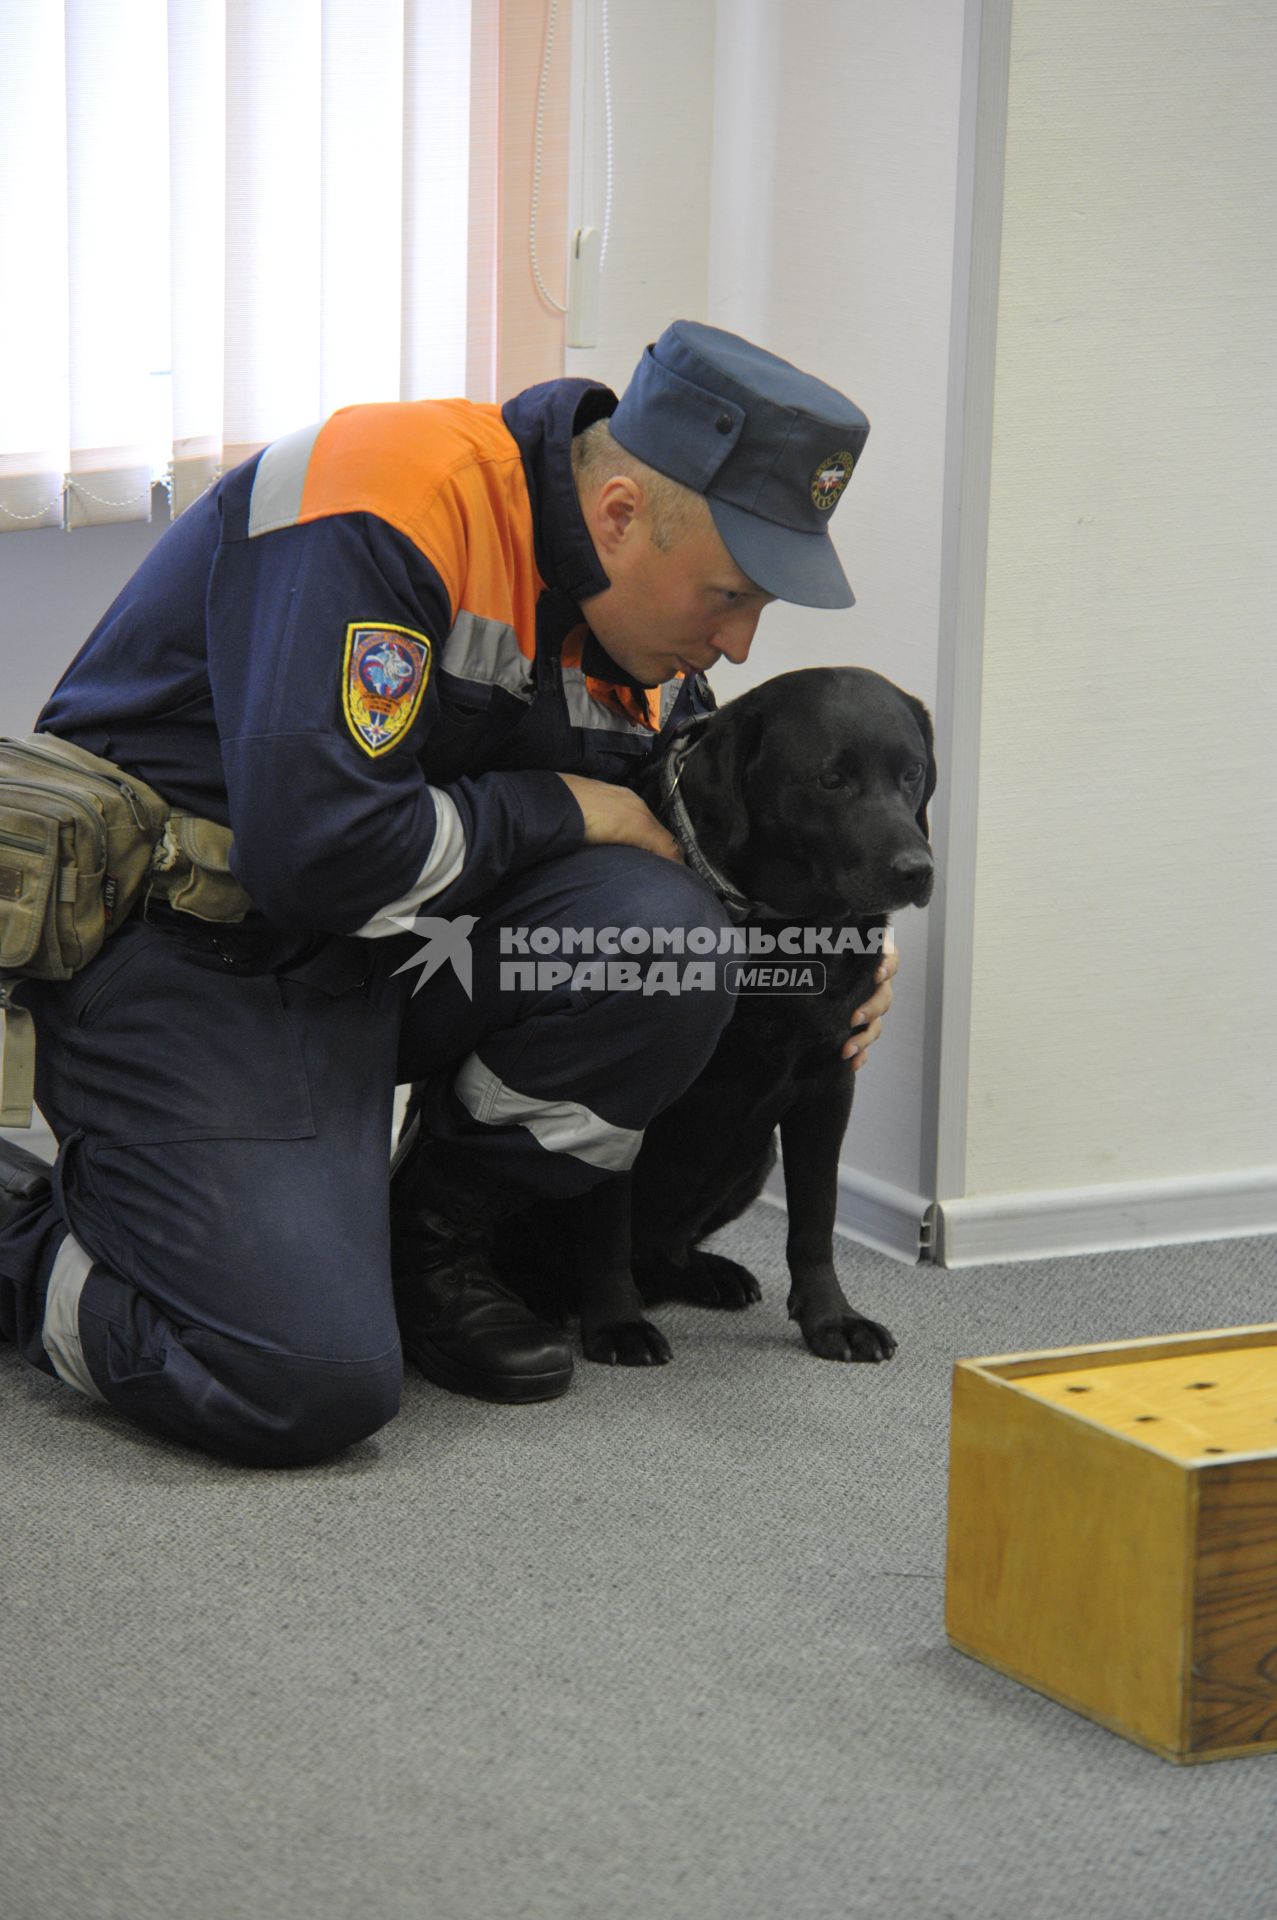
915, 871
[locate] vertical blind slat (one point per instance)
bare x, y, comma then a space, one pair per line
362, 201
197, 170
34, 401
118, 247
273, 84
483, 279
443, 215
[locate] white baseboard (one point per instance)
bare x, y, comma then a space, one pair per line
997, 1228
871, 1211
1140, 1213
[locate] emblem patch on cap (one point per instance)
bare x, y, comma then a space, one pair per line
383, 680
829, 479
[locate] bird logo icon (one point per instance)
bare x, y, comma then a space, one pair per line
446, 942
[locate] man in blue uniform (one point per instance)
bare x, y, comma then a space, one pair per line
410, 658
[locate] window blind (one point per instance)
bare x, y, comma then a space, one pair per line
223, 219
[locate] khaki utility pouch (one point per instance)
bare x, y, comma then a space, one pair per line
80, 841
191, 869
76, 839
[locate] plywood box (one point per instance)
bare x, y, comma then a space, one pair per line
1113, 1533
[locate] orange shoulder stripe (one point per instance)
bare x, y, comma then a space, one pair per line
448, 475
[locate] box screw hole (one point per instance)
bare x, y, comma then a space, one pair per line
1078, 1389
1200, 1386
1148, 1419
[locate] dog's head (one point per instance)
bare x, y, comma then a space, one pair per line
810, 793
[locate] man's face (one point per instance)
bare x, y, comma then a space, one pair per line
673, 610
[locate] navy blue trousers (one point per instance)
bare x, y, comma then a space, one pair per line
214, 1262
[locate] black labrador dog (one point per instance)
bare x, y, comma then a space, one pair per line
803, 803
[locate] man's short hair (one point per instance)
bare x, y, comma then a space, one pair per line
674, 510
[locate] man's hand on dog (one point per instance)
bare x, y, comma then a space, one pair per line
616, 817
871, 1014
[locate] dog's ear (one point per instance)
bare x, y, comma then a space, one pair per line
721, 774
923, 719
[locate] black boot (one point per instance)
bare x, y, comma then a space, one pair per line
22, 1176
464, 1329
23, 1179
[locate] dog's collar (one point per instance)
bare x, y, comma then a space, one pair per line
679, 820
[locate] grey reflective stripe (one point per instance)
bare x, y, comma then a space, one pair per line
561, 1126
487, 653
447, 858
278, 482
60, 1334
585, 711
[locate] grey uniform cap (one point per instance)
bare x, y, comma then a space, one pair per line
770, 448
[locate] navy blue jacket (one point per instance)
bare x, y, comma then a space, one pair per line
363, 651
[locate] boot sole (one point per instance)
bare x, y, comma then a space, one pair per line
508, 1389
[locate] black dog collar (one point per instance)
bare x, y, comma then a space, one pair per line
679, 820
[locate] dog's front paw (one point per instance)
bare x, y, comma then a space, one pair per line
626, 1343
848, 1336
712, 1280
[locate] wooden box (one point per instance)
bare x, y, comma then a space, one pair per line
1113, 1533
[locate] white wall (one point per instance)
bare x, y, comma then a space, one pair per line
834, 178
806, 200
786, 168
835, 167
662, 67
54, 588
1110, 895
1124, 1022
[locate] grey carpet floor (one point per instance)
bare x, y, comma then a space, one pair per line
671, 1646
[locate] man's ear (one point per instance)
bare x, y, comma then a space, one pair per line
612, 513
923, 719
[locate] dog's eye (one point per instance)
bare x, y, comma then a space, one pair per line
913, 774
831, 778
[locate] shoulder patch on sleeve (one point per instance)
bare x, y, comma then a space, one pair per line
384, 676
